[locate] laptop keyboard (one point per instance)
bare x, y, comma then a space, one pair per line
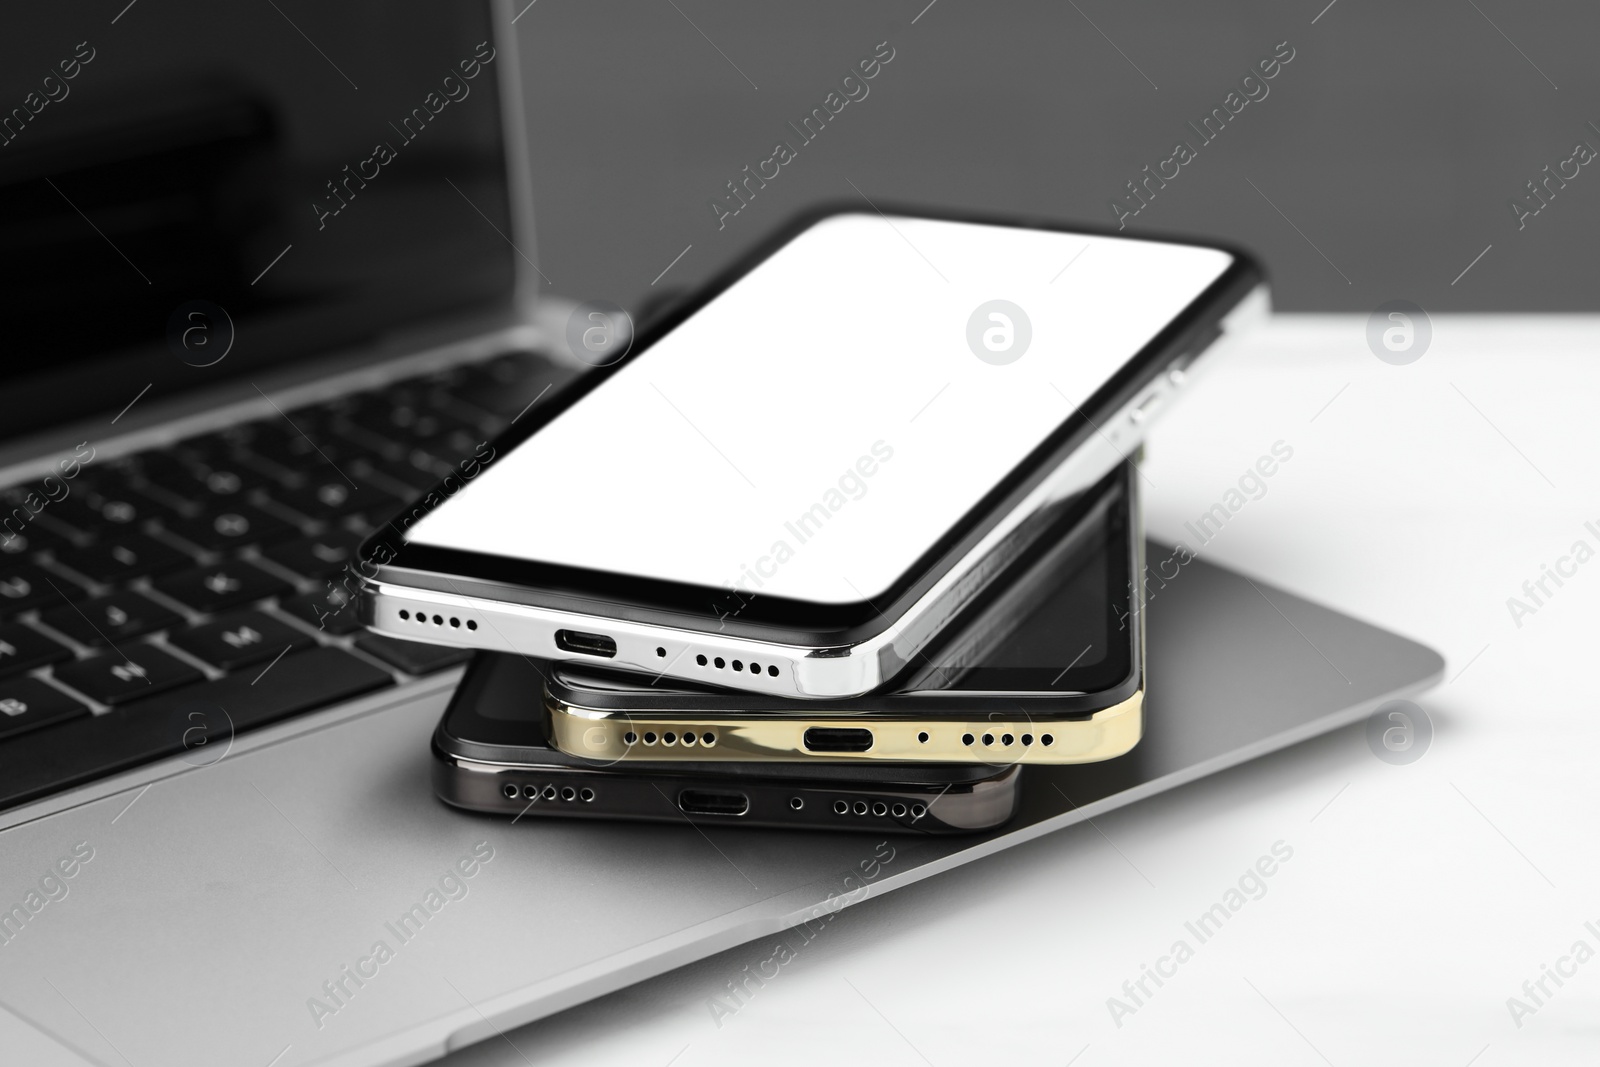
178, 596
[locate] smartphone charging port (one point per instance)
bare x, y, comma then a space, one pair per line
704, 802
837, 739
586, 644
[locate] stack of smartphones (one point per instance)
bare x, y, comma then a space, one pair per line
775, 566
940, 752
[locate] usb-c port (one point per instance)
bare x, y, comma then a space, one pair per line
586, 644
837, 739
701, 802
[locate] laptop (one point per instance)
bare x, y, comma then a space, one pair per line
271, 272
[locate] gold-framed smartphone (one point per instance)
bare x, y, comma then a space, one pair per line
1063, 685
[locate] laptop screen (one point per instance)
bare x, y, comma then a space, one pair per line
192, 190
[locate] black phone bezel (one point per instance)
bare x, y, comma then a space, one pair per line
761, 617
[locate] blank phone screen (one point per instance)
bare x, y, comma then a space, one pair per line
817, 426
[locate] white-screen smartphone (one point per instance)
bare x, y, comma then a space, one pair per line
818, 462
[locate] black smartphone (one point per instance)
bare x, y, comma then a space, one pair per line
793, 482
492, 754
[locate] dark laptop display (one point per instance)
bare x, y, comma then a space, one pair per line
191, 192
323, 173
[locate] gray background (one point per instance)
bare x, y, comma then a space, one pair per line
1393, 141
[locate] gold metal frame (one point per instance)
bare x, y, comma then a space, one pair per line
597, 734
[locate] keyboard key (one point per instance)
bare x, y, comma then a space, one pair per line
413, 657
107, 474
112, 679
108, 619
359, 438
209, 450
41, 762
362, 524
383, 400
506, 384
229, 484
408, 423
95, 511
226, 478
222, 585
127, 555
402, 471
23, 585
26, 541
28, 702
193, 491
329, 609
163, 467
216, 457
22, 649
22, 506
330, 496
238, 639
428, 461
165, 504
175, 483
231, 526
458, 446
314, 556
296, 451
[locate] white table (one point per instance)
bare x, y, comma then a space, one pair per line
1418, 899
